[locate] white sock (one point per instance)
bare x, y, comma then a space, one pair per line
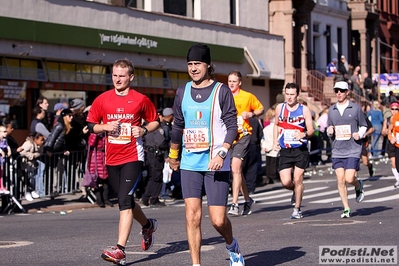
196, 264
395, 173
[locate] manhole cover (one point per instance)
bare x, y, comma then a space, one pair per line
13, 244
326, 222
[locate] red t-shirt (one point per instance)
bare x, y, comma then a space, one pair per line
121, 146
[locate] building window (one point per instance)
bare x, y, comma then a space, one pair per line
135, 3
316, 27
339, 41
177, 7
327, 33
77, 73
178, 78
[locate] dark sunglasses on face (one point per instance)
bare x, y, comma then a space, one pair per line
336, 90
394, 109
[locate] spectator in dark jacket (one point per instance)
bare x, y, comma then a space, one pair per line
55, 143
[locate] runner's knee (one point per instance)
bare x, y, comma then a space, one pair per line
126, 202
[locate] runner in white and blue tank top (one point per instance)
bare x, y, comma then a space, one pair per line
204, 128
292, 129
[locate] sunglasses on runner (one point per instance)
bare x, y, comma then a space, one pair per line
336, 90
394, 109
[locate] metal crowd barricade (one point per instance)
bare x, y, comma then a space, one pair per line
63, 174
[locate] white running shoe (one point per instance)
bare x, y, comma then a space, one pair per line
346, 213
296, 214
234, 210
360, 192
28, 196
35, 195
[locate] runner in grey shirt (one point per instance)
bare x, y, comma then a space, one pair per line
346, 126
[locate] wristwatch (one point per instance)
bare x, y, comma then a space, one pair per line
223, 153
145, 131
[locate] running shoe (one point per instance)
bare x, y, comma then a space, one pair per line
346, 213
360, 192
148, 237
396, 184
34, 195
28, 196
293, 199
236, 259
115, 255
296, 214
4, 191
234, 210
247, 207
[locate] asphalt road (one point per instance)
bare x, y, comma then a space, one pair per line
266, 237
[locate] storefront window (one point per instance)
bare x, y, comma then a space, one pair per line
151, 78
178, 78
93, 73
78, 73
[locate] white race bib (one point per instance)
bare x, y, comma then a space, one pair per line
121, 136
289, 136
196, 139
343, 132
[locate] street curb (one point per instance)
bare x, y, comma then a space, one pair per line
59, 208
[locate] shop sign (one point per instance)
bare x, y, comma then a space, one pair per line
120, 39
12, 92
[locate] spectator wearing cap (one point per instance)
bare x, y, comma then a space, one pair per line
37, 125
332, 68
77, 138
77, 104
58, 107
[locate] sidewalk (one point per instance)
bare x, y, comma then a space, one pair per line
66, 202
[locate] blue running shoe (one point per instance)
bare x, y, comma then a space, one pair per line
236, 259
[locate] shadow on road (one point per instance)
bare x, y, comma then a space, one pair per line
370, 211
274, 257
